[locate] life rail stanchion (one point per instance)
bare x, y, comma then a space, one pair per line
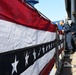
57, 55
62, 54
59, 51
56, 63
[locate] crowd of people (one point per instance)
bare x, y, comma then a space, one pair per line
69, 29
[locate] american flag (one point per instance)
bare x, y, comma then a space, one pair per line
27, 40
26, 61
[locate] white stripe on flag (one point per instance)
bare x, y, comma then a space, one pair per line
14, 36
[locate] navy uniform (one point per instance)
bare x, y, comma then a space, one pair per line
68, 37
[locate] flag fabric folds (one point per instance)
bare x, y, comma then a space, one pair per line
27, 40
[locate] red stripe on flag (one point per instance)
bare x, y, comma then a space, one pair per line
17, 12
48, 67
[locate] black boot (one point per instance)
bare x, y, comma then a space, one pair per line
71, 51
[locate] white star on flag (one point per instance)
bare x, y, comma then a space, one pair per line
46, 48
43, 49
34, 54
49, 46
39, 52
26, 59
14, 65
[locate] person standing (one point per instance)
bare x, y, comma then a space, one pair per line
73, 31
68, 35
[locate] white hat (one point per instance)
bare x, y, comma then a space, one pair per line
69, 21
